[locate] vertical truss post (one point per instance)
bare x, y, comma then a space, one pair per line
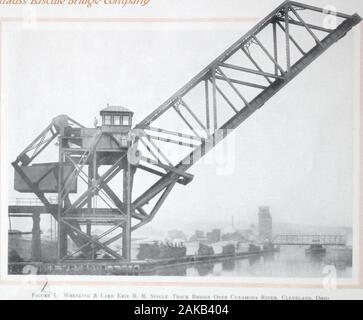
89, 201
36, 240
62, 234
214, 99
206, 84
127, 190
287, 36
91, 206
59, 209
275, 47
94, 175
291, 39
306, 26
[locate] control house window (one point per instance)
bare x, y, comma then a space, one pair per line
117, 120
108, 120
125, 120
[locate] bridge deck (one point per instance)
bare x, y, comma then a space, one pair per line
304, 240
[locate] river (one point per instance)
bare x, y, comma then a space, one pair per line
290, 262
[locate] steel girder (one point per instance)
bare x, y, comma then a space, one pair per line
287, 60
301, 240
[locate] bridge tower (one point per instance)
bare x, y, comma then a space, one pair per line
83, 152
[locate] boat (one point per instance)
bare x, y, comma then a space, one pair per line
315, 249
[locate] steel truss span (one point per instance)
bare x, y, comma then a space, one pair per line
196, 118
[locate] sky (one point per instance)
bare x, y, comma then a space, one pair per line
295, 155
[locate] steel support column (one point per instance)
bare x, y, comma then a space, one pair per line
62, 230
36, 240
127, 191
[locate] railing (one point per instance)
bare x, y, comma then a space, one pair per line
30, 201
336, 240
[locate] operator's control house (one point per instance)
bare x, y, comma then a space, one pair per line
116, 119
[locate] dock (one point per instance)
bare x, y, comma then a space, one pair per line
134, 268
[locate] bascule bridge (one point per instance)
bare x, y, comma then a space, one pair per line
209, 107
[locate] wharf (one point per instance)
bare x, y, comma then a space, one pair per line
112, 267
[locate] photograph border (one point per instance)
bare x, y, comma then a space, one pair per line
126, 282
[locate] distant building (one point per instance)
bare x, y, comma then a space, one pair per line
232, 236
254, 230
176, 235
247, 233
198, 236
264, 224
214, 236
